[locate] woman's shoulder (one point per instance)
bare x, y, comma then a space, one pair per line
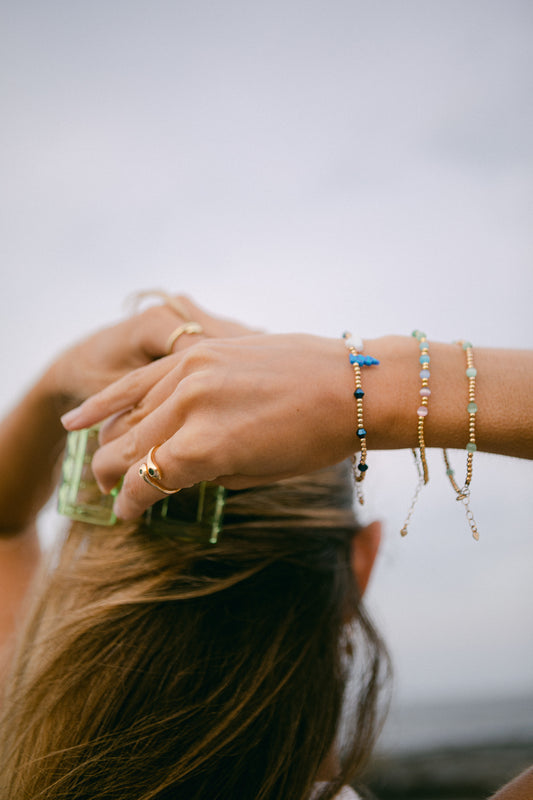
346, 793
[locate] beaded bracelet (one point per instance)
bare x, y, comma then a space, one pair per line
357, 360
463, 494
422, 411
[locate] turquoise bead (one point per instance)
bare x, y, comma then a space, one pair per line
471, 408
424, 359
423, 345
471, 447
363, 361
471, 372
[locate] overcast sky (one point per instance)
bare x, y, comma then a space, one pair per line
308, 166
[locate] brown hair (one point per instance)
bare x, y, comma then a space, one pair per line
158, 669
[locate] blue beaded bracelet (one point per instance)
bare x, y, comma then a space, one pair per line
357, 360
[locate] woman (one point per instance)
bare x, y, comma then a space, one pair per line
157, 667
256, 409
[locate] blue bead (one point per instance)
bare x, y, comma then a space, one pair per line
363, 361
361, 433
424, 359
424, 373
358, 394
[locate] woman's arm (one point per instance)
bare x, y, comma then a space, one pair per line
32, 437
258, 409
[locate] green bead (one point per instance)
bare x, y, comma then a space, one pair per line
471, 447
471, 408
471, 372
466, 345
450, 472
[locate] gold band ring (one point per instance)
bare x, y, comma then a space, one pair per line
187, 327
151, 474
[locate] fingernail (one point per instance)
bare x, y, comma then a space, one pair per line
69, 419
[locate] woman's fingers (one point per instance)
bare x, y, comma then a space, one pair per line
122, 423
118, 396
133, 343
237, 411
156, 418
115, 457
214, 327
181, 463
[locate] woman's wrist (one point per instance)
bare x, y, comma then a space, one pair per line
391, 392
504, 397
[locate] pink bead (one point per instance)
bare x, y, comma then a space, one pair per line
422, 411
425, 392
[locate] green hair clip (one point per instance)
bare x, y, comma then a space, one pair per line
192, 514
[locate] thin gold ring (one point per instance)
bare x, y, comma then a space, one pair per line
151, 473
187, 327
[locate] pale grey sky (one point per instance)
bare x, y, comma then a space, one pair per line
303, 166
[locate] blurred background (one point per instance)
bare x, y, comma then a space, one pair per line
302, 166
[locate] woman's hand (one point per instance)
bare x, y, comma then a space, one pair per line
90, 365
32, 433
237, 411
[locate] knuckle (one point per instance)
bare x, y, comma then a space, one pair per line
137, 414
130, 447
150, 315
192, 390
184, 301
199, 355
197, 449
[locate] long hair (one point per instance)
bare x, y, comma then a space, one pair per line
154, 668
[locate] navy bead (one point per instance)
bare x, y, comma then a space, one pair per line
361, 433
362, 467
358, 394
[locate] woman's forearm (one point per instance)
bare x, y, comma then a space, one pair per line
262, 408
504, 397
31, 441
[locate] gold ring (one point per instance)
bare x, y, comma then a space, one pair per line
187, 327
150, 473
